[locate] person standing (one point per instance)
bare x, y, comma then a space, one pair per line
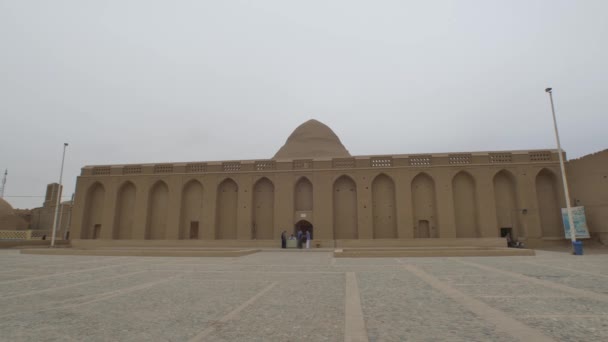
308, 239
299, 238
284, 239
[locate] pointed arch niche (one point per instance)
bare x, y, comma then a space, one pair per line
424, 207
227, 201
303, 195
548, 204
263, 209
192, 210
125, 210
383, 208
158, 202
94, 212
345, 208
505, 197
465, 205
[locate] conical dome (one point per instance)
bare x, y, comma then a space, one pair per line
5, 208
8, 219
312, 139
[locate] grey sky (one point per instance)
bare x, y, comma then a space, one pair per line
158, 81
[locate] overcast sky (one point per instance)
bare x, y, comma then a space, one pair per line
160, 81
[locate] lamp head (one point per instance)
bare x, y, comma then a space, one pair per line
65, 144
548, 90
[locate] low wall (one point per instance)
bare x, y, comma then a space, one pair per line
159, 252
30, 243
29, 234
371, 243
99, 243
439, 242
432, 252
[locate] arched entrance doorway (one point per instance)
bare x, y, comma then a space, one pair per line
304, 226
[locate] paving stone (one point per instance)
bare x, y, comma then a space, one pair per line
297, 296
568, 328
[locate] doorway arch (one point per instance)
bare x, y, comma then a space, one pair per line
304, 226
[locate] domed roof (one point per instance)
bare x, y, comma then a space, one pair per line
5, 208
8, 219
312, 139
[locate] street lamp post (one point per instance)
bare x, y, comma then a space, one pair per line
65, 145
563, 169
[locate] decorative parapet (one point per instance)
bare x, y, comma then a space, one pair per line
131, 169
102, 170
343, 163
499, 158
163, 168
460, 158
196, 167
381, 161
231, 166
265, 165
539, 156
358, 162
421, 160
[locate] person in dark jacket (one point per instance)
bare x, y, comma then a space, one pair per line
284, 239
300, 238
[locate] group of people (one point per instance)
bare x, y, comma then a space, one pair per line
302, 238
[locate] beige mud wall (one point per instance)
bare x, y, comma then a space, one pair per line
125, 211
505, 196
157, 212
192, 209
263, 210
345, 208
424, 207
314, 178
465, 205
303, 195
548, 205
383, 208
227, 204
94, 211
588, 181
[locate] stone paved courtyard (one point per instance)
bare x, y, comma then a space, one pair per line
303, 296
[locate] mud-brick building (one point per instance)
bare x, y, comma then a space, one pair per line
313, 183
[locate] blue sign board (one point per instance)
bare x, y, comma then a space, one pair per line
580, 222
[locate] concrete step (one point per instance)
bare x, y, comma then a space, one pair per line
430, 252
156, 252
